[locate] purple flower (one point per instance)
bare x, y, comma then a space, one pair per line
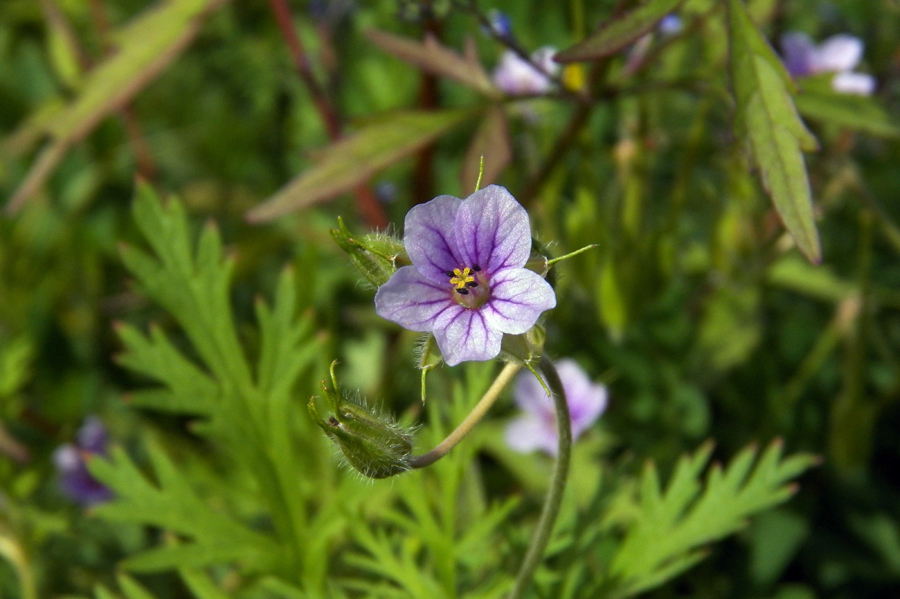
518, 77
467, 284
669, 25
70, 460
838, 54
536, 428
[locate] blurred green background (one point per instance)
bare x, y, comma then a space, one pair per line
696, 310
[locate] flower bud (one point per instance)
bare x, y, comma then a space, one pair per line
371, 442
377, 255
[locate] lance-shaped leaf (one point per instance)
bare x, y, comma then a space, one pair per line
617, 33
351, 161
491, 141
431, 56
850, 111
147, 45
769, 123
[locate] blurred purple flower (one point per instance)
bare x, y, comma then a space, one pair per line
518, 77
536, 428
467, 284
70, 460
669, 25
500, 22
838, 54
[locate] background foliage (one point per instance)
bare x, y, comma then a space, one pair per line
708, 315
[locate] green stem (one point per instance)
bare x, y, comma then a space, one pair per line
484, 404
557, 483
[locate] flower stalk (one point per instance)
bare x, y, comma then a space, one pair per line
558, 481
474, 417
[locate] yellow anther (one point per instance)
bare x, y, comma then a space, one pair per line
462, 277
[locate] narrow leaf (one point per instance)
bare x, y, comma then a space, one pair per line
351, 161
491, 141
148, 45
768, 121
620, 31
849, 111
434, 58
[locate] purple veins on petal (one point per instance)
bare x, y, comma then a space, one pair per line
430, 238
518, 297
464, 336
493, 230
467, 283
413, 301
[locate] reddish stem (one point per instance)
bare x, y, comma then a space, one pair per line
369, 207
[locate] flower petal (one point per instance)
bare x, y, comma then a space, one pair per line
853, 83
587, 400
464, 335
799, 52
430, 239
531, 397
838, 53
413, 301
492, 230
527, 433
518, 297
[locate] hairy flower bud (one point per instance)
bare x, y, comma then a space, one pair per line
371, 442
377, 255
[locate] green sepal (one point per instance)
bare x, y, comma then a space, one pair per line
371, 442
376, 255
539, 262
526, 348
429, 356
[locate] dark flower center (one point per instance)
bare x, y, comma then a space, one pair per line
470, 288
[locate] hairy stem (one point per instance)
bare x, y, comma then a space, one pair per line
557, 483
484, 404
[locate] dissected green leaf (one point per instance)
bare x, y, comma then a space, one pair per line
431, 56
351, 161
768, 121
174, 505
619, 32
667, 534
147, 45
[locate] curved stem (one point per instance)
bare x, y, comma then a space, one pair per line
484, 404
557, 483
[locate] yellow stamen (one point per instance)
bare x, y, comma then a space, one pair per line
462, 278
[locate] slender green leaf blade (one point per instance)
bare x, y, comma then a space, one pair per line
849, 111
351, 161
768, 121
148, 45
431, 56
621, 31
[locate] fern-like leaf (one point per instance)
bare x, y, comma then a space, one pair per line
671, 527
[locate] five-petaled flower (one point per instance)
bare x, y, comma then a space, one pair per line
467, 284
838, 54
536, 428
70, 460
